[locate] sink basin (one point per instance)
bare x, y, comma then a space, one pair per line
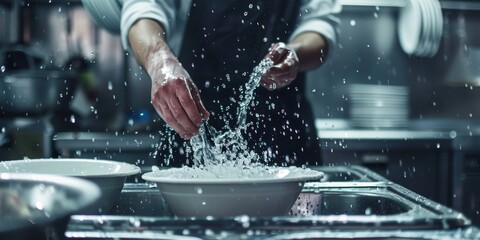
347, 174
343, 176
353, 204
307, 204
348, 203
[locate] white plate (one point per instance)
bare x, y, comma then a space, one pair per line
410, 26
438, 28
425, 36
222, 197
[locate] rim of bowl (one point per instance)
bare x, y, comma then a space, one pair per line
126, 169
89, 191
315, 175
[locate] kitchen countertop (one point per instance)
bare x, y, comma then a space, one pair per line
101, 140
454, 133
439, 132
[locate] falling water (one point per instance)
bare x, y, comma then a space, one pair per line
211, 147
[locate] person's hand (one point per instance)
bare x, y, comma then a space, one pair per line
175, 97
285, 67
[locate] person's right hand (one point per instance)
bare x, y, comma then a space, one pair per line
175, 97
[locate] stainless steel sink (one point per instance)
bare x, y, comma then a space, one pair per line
322, 202
352, 200
348, 203
348, 174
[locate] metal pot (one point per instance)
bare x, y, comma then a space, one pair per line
34, 92
29, 87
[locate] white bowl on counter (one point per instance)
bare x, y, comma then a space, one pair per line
108, 175
36, 206
223, 197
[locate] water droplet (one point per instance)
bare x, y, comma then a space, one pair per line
72, 119
3, 68
368, 211
453, 134
353, 22
110, 87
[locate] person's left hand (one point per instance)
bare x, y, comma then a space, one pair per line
285, 67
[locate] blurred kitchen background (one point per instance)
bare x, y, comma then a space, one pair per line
418, 124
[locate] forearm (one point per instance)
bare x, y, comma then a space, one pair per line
147, 40
311, 49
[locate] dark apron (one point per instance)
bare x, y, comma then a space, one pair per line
224, 40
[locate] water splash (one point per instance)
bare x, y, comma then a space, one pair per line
211, 147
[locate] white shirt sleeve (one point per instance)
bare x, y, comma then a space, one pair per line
163, 11
105, 13
316, 16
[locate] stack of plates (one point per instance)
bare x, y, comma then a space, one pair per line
377, 106
420, 27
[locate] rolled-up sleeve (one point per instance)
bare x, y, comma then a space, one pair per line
133, 10
317, 16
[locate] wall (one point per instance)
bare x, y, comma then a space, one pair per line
369, 52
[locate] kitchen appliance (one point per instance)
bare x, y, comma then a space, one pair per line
33, 95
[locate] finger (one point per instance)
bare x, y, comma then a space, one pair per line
284, 80
268, 86
278, 53
279, 69
188, 104
278, 81
181, 116
283, 68
164, 111
198, 101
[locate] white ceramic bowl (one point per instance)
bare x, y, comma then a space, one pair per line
29, 203
108, 175
265, 196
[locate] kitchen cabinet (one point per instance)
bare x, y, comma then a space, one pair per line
466, 176
442, 164
417, 160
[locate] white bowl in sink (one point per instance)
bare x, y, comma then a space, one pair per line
190, 194
108, 175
